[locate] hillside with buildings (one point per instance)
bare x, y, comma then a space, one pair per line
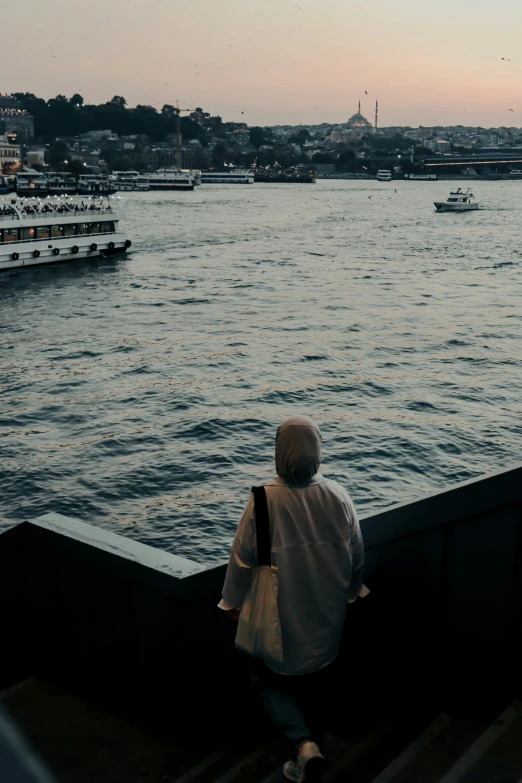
68, 134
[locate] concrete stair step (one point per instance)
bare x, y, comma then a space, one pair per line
433, 752
364, 759
495, 756
81, 742
333, 747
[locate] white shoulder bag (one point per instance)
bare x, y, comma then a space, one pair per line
259, 628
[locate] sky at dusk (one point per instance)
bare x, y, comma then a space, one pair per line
269, 62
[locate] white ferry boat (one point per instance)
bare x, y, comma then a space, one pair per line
421, 177
233, 177
42, 231
30, 182
94, 185
171, 179
384, 175
61, 184
128, 181
459, 200
196, 173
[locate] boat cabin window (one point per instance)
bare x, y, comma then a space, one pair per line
453, 199
9, 235
56, 231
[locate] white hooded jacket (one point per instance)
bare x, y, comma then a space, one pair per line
316, 546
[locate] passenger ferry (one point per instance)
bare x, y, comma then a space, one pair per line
384, 175
42, 231
171, 179
30, 182
61, 184
94, 184
421, 177
459, 200
196, 173
129, 181
233, 177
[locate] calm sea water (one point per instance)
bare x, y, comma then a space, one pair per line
143, 394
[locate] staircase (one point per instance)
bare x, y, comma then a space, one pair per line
81, 744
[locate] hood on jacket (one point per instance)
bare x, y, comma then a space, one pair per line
298, 449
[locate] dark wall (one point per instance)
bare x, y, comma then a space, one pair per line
139, 630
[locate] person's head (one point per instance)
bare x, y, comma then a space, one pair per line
298, 449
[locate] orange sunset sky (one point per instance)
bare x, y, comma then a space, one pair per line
270, 62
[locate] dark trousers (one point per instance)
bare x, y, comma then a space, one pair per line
296, 706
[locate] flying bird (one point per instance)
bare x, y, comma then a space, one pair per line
510, 109
366, 92
369, 196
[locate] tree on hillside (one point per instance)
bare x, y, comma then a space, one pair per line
301, 137
118, 100
257, 136
59, 99
168, 110
346, 156
59, 152
77, 100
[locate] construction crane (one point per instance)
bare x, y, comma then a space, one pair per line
179, 157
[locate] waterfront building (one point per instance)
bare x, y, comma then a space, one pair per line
10, 159
199, 115
14, 119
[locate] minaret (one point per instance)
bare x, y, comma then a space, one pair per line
359, 109
376, 114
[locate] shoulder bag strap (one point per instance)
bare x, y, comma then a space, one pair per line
264, 546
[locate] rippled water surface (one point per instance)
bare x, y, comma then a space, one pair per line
143, 394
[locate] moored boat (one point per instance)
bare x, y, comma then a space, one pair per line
171, 179
230, 177
61, 184
384, 175
129, 181
94, 185
421, 177
459, 200
299, 175
44, 231
30, 182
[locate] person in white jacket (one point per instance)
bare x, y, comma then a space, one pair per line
317, 548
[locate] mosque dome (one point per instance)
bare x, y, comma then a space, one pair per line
358, 121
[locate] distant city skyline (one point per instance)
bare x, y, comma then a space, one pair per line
277, 62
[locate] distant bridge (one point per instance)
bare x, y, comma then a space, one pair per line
473, 160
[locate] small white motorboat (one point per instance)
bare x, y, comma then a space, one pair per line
459, 200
